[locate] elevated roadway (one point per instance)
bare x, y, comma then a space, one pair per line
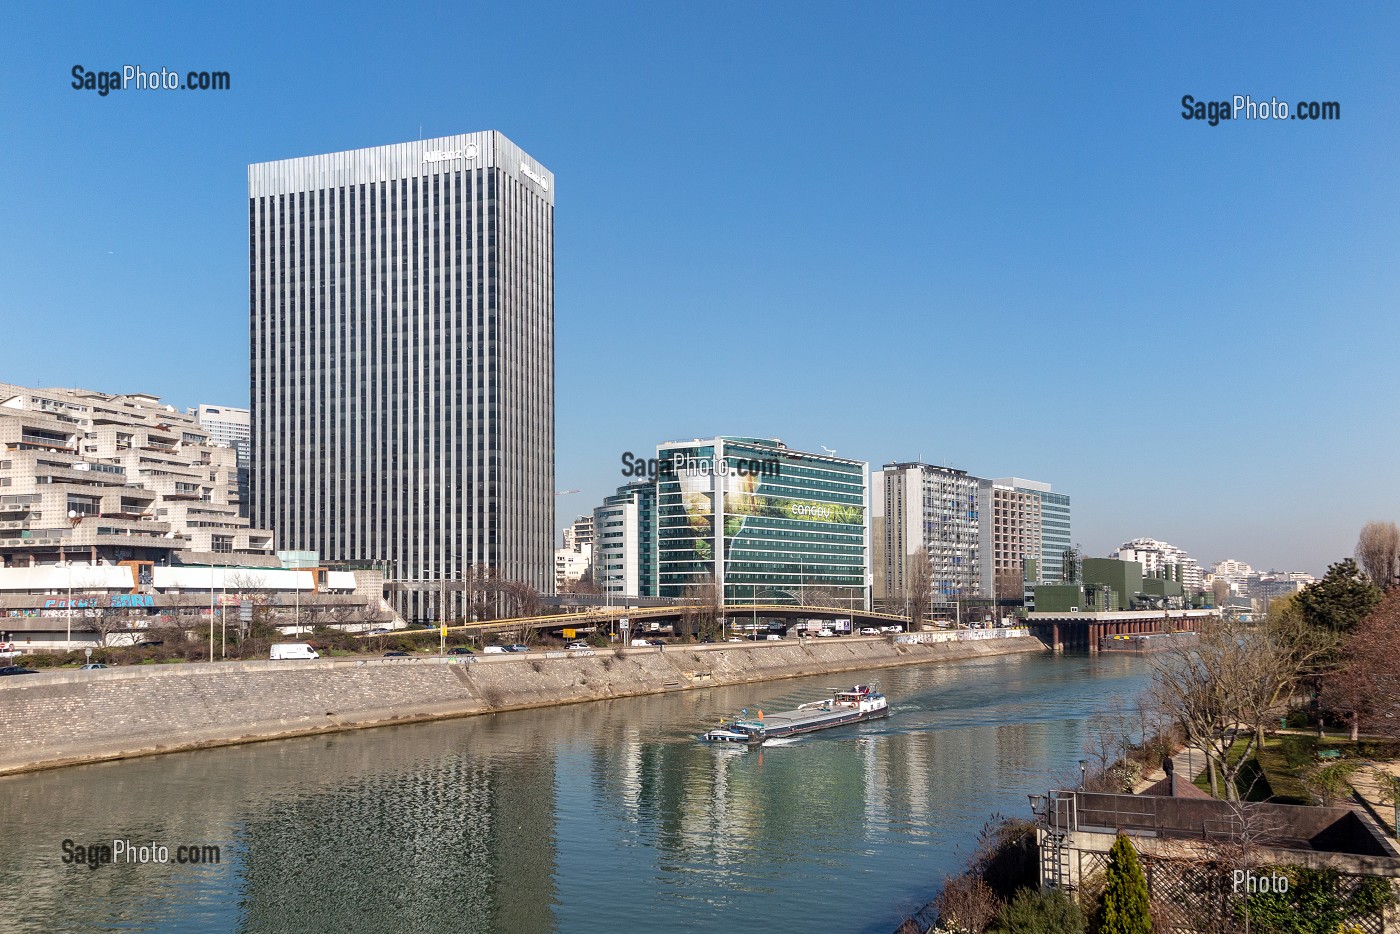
735, 613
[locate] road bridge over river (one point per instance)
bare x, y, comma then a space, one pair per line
736, 614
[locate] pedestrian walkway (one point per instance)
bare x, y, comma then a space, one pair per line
1188, 763
1368, 791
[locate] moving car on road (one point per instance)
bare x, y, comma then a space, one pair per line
17, 670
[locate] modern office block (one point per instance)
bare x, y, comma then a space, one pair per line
922, 512
761, 522
402, 359
624, 541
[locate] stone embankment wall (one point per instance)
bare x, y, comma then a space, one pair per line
64, 718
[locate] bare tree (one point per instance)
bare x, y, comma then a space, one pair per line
479, 591
520, 598
1107, 742
251, 587
967, 903
700, 616
584, 585
109, 621
1378, 553
1219, 692
1366, 685
919, 592
1220, 592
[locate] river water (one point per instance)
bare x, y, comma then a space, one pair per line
597, 817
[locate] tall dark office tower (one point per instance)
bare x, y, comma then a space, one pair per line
401, 305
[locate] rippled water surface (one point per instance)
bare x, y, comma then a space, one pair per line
592, 818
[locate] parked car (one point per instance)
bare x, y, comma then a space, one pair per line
92, 666
460, 650
17, 670
396, 655
869, 631
378, 631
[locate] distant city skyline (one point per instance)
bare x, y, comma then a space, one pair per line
980, 237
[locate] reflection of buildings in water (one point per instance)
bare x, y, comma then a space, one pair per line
468, 838
371, 824
1013, 746
905, 777
725, 804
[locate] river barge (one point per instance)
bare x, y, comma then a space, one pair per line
851, 705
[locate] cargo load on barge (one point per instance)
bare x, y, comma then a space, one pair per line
852, 705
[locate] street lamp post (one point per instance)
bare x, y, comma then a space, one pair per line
68, 642
1083, 773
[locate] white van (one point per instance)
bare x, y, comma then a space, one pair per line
284, 651
494, 650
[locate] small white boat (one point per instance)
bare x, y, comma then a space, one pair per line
735, 733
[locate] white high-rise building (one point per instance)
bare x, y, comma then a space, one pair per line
1236, 573
921, 511
402, 359
226, 425
1154, 556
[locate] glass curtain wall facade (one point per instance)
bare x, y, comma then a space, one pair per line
624, 541
764, 523
402, 359
1055, 538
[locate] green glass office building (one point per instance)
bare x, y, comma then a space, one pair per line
763, 522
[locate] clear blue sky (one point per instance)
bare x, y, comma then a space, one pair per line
977, 234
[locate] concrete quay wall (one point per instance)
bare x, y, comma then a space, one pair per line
66, 718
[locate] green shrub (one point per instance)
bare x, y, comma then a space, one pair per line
1315, 903
1033, 911
1123, 909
